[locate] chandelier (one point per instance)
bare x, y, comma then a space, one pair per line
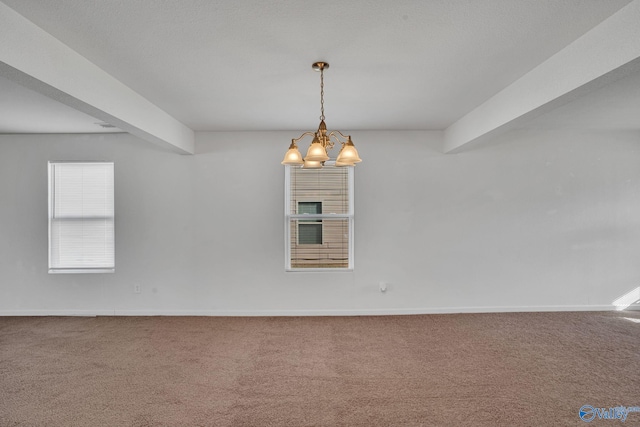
318, 151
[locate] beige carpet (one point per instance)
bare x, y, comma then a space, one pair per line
509, 369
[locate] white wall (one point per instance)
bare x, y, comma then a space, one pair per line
537, 221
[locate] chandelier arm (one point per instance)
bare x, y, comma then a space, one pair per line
303, 135
334, 133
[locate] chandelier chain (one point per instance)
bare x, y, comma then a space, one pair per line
321, 94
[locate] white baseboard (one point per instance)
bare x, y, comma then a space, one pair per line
69, 313
327, 312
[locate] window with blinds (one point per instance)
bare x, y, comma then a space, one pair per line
81, 217
319, 218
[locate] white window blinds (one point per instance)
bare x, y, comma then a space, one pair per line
81, 217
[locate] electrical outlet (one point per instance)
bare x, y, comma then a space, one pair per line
136, 288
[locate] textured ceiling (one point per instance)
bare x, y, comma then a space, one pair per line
246, 64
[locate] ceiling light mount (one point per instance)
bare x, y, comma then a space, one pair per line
323, 141
320, 66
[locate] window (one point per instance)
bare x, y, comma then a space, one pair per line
319, 218
81, 217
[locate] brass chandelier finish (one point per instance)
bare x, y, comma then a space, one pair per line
323, 140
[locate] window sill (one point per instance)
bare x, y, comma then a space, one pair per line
318, 270
80, 270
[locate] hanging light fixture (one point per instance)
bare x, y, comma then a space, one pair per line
322, 142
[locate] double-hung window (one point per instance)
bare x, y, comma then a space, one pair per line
81, 217
319, 218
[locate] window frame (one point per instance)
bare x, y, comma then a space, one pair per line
51, 185
289, 217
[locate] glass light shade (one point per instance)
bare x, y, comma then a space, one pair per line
293, 156
316, 152
309, 164
344, 163
348, 154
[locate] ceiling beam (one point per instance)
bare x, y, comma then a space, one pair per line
609, 51
33, 58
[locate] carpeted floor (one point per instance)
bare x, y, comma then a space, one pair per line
507, 369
